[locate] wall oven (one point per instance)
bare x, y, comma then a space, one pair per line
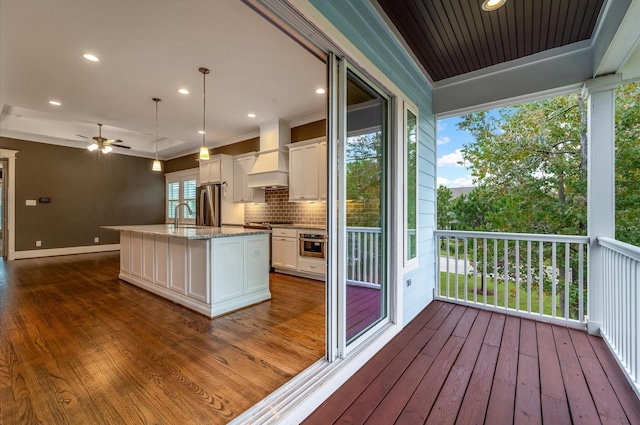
312, 245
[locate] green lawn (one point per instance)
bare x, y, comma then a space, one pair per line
535, 306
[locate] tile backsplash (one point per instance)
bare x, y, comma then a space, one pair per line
278, 208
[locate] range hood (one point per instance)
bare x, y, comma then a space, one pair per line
271, 169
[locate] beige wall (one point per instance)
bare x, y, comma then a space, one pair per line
87, 190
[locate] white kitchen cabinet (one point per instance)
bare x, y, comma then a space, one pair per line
211, 170
322, 171
241, 193
303, 173
284, 248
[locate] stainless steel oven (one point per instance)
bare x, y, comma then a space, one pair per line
312, 245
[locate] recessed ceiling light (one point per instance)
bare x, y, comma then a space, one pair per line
320, 91
55, 102
251, 115
200, 132
183, 91
490, 5
90, 57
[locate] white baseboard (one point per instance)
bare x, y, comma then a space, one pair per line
37, 253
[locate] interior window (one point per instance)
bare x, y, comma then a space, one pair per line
181, 187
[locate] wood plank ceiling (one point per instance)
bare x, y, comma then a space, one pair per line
453, 37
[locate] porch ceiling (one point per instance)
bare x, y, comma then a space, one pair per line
451, 38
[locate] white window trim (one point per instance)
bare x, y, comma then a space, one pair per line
181, 176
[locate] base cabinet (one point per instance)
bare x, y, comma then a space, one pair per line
211, 276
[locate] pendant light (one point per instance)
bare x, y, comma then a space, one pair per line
156, 164
204, 150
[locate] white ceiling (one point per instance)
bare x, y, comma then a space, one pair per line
149, 48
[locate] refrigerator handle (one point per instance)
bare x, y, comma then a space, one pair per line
200, 214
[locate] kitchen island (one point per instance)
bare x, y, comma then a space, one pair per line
212, 270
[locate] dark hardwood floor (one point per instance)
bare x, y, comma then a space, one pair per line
460, 365
79, 346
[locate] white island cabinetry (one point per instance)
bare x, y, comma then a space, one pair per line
207, 271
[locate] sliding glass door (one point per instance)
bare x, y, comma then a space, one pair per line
359, 126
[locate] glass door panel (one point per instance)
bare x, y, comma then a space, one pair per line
365, 165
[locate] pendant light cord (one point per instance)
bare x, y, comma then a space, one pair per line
156, 100
204, 71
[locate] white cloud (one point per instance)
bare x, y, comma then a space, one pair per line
466, 181
454, 159
444, 140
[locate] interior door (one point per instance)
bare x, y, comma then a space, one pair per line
358, 217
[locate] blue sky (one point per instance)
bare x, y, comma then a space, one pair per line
450, 140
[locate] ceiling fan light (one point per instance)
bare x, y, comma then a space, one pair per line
157, 166
107, 149
204, 153
92, 147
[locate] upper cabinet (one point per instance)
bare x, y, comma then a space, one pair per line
322, 170
304, 171
216, 169
241, 167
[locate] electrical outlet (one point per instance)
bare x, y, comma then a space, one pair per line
96, 240
38, 243
30, 202
408, 282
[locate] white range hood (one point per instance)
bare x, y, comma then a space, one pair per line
271, 169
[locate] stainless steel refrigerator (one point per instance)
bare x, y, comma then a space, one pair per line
208, 205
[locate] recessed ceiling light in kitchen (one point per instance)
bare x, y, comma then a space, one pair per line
251, 115
55, 102
489, 5
200, 132
320, 91
183, 91
90, 57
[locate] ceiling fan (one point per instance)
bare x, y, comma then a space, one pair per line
105, 145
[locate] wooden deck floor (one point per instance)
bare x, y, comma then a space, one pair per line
458, 365
79, 346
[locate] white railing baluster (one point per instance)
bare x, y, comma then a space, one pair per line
567, 273
517, 277
528, 276
506, 273
466, 272
484, 271
475, 270
581, 282
554, 280
495, 273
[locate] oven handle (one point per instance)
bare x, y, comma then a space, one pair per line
313, 240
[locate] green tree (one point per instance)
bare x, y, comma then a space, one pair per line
628, 163
444, 204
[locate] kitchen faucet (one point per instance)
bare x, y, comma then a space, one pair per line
175, 213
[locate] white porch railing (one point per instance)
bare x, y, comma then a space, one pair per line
537, 276
363, 256
621, 318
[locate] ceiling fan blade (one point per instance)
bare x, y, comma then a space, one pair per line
114, 141
80, 135
121, 146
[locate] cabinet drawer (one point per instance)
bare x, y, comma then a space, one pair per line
311, 265
287, 233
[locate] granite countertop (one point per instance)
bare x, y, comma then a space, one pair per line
189, 232
298, 226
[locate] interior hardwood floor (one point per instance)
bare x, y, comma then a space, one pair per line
79, 346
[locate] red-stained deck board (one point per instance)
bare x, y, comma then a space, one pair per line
458, 365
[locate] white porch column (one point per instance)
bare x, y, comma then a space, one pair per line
600, 94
